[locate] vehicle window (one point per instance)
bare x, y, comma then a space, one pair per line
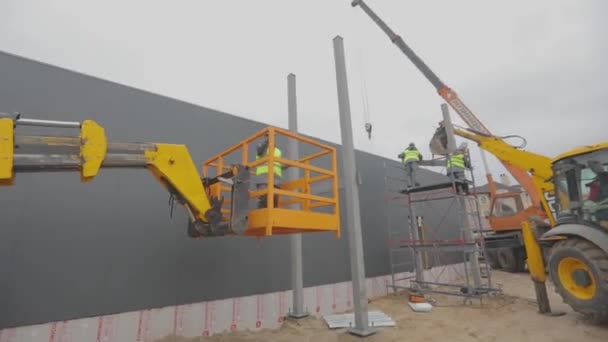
582, 186
594, 189
587, 178
563, 201
506, 206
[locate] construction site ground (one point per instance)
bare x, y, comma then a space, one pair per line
511, 316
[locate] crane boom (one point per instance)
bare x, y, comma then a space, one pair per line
450, 96
170, 164
538, 165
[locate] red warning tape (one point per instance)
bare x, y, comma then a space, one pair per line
334, 295
318, 298
259, 312
281, 311
235, 313
105, 329
209, 313
349, 294
10, 334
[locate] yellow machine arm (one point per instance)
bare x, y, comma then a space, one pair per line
538, 166
170, 164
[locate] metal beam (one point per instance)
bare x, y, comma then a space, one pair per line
297, 280
466, 221
353, 214
449, 129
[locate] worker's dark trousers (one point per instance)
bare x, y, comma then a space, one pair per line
263, 200
459, 180
410, 173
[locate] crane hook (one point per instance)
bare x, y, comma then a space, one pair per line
368, 129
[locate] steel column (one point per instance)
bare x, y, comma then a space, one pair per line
297, 281
449, 129
465, 219
353, 214
413, 222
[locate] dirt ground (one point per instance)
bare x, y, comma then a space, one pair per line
511, 316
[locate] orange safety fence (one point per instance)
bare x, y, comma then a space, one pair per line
297, 210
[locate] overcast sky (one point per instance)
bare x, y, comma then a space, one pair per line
534, 68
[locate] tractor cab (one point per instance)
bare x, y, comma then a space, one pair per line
581, 185
578, 242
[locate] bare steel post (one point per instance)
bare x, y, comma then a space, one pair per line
449, 129
353, 214
297, 281
466, 221
412, 221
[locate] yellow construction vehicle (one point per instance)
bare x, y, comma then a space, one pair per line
226, 176
572, 243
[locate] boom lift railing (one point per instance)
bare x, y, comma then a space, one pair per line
316, 192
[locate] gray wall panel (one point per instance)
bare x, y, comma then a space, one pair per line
72, 250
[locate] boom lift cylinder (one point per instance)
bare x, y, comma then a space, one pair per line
170, 164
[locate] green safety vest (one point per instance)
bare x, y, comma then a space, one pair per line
456, 160
411, 155
263, 169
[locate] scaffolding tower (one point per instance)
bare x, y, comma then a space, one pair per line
446, 230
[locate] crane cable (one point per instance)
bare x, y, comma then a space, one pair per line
364, 97
366, 112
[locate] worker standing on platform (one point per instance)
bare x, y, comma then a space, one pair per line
410, 157
262, 173
455, 166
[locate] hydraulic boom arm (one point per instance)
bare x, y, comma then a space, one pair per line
171, 165
449, 96
537, 165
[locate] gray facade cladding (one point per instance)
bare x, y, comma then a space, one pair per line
71, 250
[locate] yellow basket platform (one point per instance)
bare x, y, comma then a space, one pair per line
307, 204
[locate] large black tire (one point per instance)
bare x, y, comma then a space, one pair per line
595, 306
511, 259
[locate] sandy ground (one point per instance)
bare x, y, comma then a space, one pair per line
511, 316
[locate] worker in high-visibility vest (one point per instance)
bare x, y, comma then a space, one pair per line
410, 158
455, 166
262, 173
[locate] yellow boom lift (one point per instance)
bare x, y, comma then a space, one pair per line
217, 203
572, 239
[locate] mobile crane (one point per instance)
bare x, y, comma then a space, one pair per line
505, 246
569, 235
